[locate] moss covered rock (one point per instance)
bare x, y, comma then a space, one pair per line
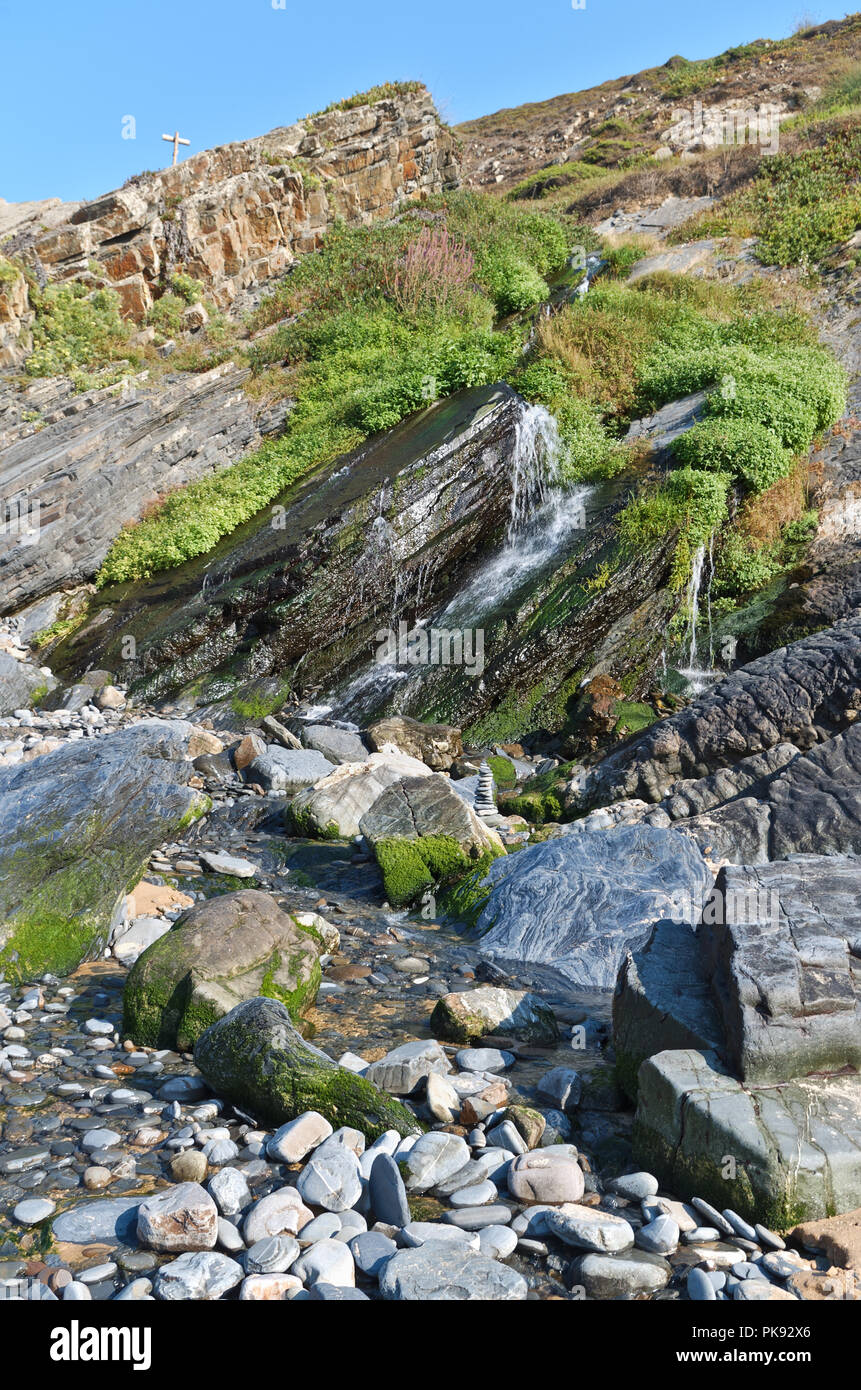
255, 1057
77, 827
231, 948
490, 1011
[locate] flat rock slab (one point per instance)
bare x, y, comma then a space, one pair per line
446, 1272
580, 902
112, 1221
796, 1145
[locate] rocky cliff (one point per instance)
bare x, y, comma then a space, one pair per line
236, 215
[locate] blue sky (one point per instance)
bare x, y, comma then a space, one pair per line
224, 70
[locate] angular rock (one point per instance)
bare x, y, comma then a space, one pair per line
225, 950
774, 943
405, 1067
795, 1144
255, 1058
183, 1217
335, 805
338, 745
488, 1010
436, 745
287, 770
581, 901
419, 806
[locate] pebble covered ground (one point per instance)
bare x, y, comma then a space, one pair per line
122, 1177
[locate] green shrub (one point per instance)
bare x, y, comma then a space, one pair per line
748, 451
186, 287
166, 314
691, 502
75, 329
622, 259
742, 567
513, 283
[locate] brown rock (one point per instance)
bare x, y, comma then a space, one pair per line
838, 1237
188, 1166
251, 747
436, 745
530, 1124
202, 741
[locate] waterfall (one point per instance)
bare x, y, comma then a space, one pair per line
696, 674
543, 517
534, 464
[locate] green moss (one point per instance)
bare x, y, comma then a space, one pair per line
405, 874
780, 1209
504, 774
633, 717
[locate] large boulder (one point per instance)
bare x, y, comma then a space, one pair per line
490, 1011
437, 745
335, 804
419, 806
77, 827
662, 1000
580, 902
798, 694
812, 805
230, 948
424, 833
287, 770
781, 947
255, 1058
776, 1154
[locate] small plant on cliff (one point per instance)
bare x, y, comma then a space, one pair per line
434, 275
74, 329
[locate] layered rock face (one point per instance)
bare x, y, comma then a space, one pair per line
237, 215
800, 694
744, 1040
311, 581
99, 458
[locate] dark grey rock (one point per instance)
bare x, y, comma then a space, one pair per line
387, 1192
581, 901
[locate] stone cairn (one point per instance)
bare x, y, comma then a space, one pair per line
485, 805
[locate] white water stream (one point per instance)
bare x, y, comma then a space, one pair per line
542, 519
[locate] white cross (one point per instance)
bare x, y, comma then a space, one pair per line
177, 140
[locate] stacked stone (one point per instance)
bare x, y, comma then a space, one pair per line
485, 804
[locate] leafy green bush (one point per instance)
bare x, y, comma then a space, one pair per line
691, 502
622, 259
166, 314
801, 204
796, 395
513, 283
742, 567
750, 452
75, 329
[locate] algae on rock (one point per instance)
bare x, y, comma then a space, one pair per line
255, 1058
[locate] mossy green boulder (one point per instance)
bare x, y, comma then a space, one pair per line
255, 1058
77, 827
221, 952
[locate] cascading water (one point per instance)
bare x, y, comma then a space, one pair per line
696, 674
542, 519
